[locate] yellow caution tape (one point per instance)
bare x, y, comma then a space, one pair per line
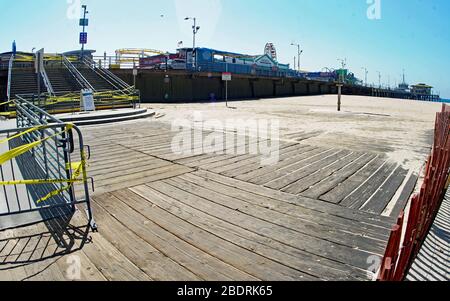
76, 175
17, 151
69, 126
5, 103
37, 182
77, 168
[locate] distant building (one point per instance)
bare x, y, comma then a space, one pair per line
421, 89
211, 60
403, 88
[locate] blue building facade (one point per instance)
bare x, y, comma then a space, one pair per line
211, 60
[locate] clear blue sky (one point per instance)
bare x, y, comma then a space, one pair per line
411, 34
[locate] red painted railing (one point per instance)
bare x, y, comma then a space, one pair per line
403, 246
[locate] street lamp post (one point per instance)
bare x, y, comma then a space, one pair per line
299, 57
195, 30
299, 52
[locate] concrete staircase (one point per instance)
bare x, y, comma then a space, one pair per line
62, 80
96, 81
24, 81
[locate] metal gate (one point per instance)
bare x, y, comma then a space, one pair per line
43, 173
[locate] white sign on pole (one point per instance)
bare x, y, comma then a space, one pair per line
226, 76
87, 100
135, 72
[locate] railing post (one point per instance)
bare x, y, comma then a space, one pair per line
10, 66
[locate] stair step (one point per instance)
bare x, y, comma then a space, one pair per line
116, 114
109, 118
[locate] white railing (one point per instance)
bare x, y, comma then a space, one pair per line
10, 66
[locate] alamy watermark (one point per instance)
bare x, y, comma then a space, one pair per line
73, 9
374, 9
232, 137
73, 271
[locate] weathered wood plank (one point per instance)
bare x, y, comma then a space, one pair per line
309, 168
382, 221
405, 195
202, 264
386, 192
260, 213
332, 181
131, 180
345, 188
246, 261
311, 180
361, 195
314, 265
266, 174
156, 265
340, 224
246, 166
285, 235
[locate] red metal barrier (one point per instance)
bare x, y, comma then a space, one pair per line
424, 206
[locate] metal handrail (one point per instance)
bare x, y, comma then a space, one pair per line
92, 66
10, 66
48, 161
77, 74
47, 82
20, 100
106, 72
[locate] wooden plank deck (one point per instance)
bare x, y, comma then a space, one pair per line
315, 215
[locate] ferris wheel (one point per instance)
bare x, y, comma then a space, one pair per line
271, 51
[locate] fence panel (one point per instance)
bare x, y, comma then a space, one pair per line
39, 181
424, 206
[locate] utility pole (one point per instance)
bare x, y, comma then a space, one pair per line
295, 61
195, 30
83, 35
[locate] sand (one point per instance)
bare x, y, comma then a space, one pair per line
401, 129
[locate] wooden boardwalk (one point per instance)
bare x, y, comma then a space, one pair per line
318, 214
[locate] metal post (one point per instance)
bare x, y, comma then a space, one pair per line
299, 59
339, 96
38, 75
195, 30
226, 87
195, 26
84, 29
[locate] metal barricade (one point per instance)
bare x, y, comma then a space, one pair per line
43, 169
